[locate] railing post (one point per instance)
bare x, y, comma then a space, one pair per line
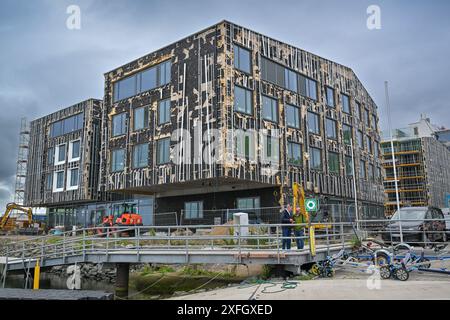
64, 247
186, 245
84, 244
278, 243
107, 243
168, 235
342, 233
138, 242
328, 239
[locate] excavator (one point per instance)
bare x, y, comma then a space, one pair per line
127, 218
9, 224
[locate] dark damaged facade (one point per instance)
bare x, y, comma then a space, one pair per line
224, 79
64, 158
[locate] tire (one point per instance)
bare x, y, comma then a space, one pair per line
385, 272
402, 274
330, 273
382, 259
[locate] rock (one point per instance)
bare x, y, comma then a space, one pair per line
178, 293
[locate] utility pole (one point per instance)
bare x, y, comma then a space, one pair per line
388, 108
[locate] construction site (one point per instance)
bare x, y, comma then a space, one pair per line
220, 151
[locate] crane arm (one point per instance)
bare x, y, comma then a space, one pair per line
14, 206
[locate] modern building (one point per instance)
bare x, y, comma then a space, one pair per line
422, 166
443, 135
230, 118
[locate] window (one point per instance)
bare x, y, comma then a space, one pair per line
140, 118
140, 155
367, 117
193, 210
348, 166
315, 159
272, 72
151, 78
290, 79
369, 144
119, 124
333, 162
294, 153
360, 139
346, 103
49, 181
307, 87
374, 121
272, 151
58, 181
245, 146
74, 150
60, 154
347, 131
330, 97
292, 116
118, 160
376, 148
72, 180
371, 172
243, 100
362, 170
270, 109
67, 125
331, 129
242, 59
313, 123
50, 157
164, 111
248, 203
358, 110
163, 151
379, 173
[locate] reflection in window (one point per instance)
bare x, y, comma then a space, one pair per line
118, 160
294, 153
242, 59
140, 118
163, 151
118, 124
243, 100
313, 123
315, 159
333, 162
270, 109
140, 155
346, 103
293, 116
164, 111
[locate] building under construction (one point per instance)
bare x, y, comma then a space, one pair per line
226, 118
422, 167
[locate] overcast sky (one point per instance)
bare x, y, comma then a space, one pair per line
45, 66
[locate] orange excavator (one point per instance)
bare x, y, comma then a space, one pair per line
127, 218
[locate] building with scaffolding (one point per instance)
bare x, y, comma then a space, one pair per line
422, 167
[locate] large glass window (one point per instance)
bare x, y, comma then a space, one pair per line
359, 110
243, 101
331, 128
371, 172
270, 109
360, 139
294, 153
49, 181
346, 103
118, 160
74, 150
50, 156
374, 121
348, 166
272, 72
61, 153
140, 155
140, 118
73, 178
67, 125
367, 117
369, 144
59, 181
315, 159
313, 122
307, 87
119, 124
164, 111
163, 151
242, 59
347, 132
151, 78
290, 79
333, 162
330, 97
293, 116
248, 203
193, 210
362, 170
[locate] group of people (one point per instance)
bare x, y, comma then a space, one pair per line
298, 221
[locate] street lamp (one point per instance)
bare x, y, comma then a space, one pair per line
388, 108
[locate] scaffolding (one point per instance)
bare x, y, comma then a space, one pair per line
22, 161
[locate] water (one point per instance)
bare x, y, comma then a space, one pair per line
52, 281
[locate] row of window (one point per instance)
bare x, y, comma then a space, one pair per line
58, 156
140, 155
67, 125
55, 181
140, 118
148, 79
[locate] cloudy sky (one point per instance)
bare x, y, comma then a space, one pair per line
46, 66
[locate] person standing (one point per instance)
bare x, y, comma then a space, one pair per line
299, 228
286, 218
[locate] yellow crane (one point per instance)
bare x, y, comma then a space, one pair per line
14, 206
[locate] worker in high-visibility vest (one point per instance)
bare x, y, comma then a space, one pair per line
299, 229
